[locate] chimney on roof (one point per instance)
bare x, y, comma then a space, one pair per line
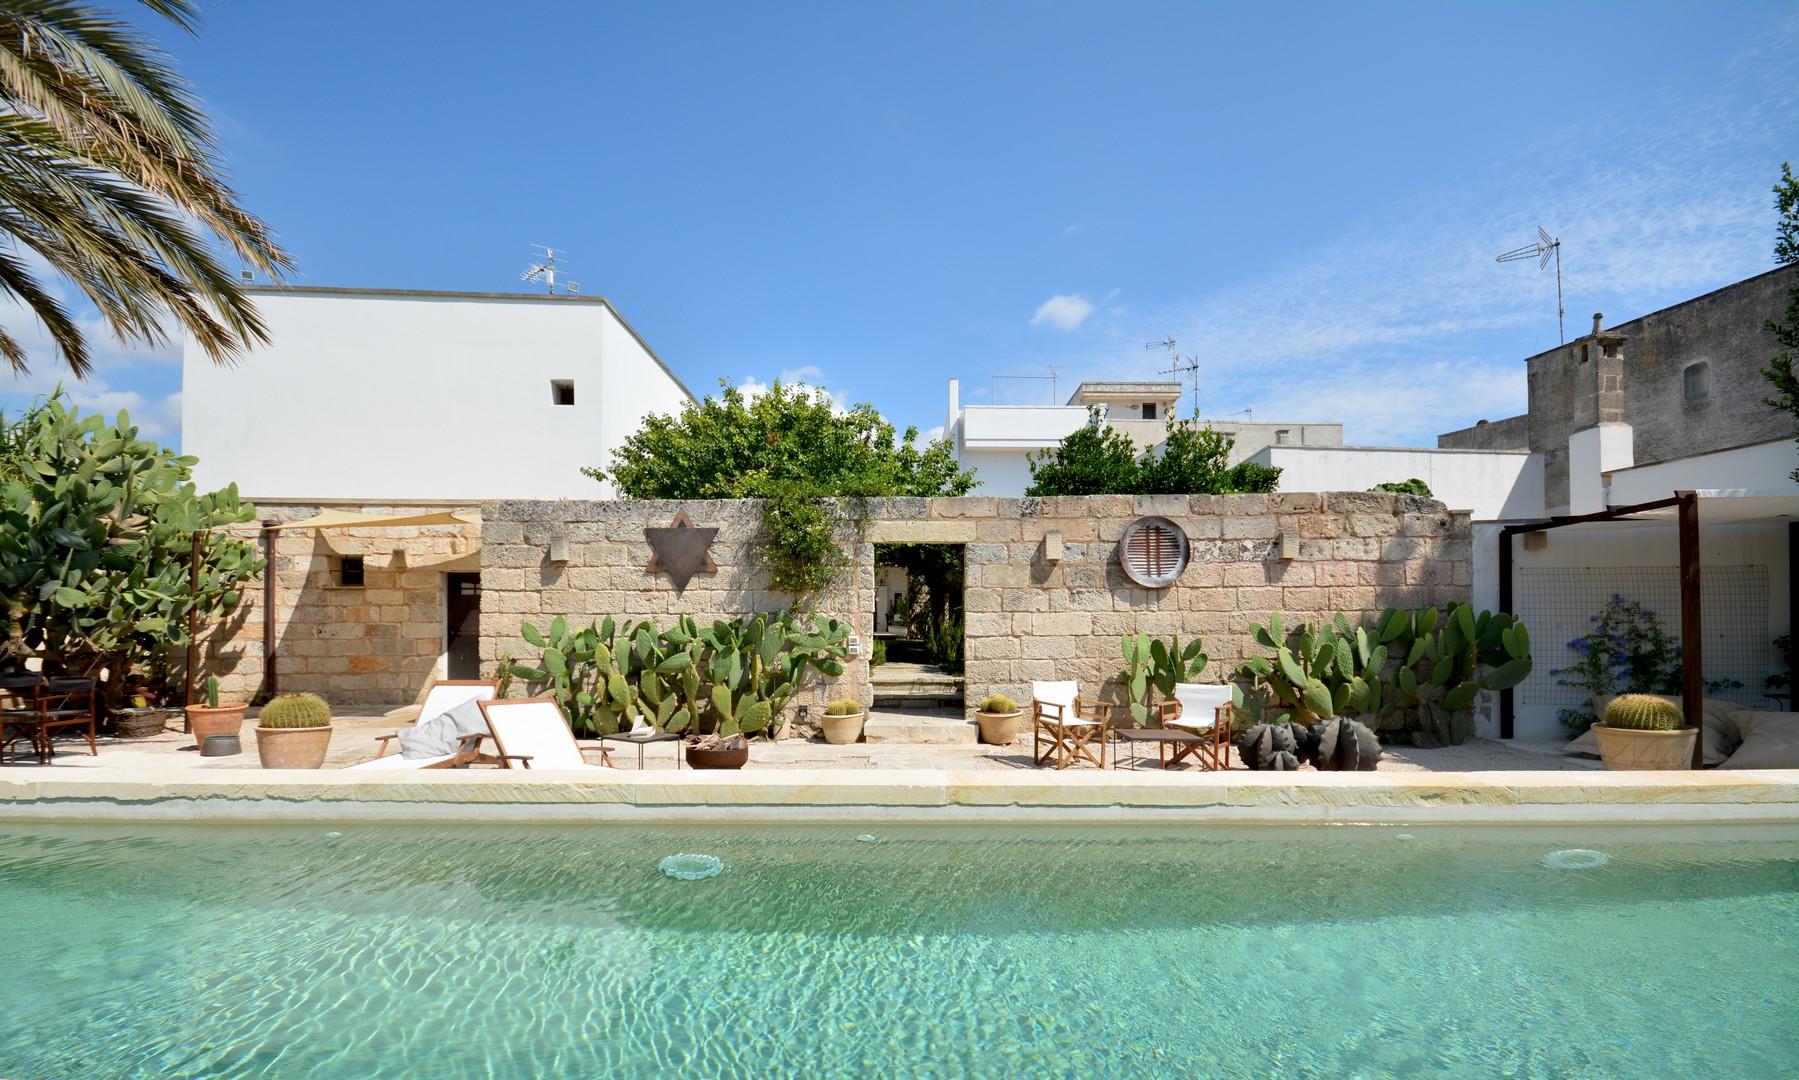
1598, 322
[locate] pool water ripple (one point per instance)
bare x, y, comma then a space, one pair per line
565, 952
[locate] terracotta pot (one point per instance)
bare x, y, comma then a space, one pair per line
998, 728
293, 747
732, 758
1629, 749
224, 720
842, 730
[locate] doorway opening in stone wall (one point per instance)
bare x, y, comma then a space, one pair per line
916, 660
462, 626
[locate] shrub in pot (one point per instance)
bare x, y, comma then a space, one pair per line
293, 732
842, 721
213, 718
1642, 731
998, 719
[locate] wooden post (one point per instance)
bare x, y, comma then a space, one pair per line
271, 591
1692, 643
193, 620
1508, 709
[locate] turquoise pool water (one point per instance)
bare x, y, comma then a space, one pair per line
548, 952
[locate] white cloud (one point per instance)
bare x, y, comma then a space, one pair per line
810, 373
754, 388
1064, 313
930, 436
1363, 327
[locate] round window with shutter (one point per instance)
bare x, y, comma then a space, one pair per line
1153, 552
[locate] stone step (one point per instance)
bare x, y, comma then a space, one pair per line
899, 727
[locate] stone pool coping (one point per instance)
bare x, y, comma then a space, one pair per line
899, 795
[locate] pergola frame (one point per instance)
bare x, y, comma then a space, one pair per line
1692, 668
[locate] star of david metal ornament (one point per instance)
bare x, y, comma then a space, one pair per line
681, 550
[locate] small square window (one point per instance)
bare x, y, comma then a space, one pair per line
349, 571
1698, 380
562, 391
1282, 436
1149, 410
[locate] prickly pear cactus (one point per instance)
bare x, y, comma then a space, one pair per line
1344, 745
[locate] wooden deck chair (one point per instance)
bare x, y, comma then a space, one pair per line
1205, 710
531, 733
1075, 730
444, 695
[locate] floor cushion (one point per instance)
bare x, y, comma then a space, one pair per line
1770, 741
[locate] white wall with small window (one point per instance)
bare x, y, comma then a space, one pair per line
380, 395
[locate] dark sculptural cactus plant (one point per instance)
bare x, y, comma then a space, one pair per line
1344, 745
1275, 747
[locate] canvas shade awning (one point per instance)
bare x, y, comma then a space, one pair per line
345, 519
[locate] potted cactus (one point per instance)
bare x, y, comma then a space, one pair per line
1642, 731
998, 720
213, 718
842, 722
293, 732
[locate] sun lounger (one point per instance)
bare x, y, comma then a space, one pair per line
1074, 729
531, 733
444, 695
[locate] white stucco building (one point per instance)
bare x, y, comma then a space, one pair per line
998, 440
381, 395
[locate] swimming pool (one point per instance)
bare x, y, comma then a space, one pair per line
561, 951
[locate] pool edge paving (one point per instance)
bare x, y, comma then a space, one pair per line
902, 795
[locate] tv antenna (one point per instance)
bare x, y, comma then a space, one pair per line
544, 270
1546, 248
1179, 365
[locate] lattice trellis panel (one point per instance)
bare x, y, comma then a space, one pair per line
1558, 603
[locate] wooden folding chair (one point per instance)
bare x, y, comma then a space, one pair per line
58, 703
1075, 730
1213, 751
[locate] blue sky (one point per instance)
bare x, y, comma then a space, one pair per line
877, 198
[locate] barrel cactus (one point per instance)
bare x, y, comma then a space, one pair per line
1344, 745
1644, 712
295, 711
843, 707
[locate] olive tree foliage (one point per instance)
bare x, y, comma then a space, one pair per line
97, 532
793, 449
1779, 371
1192, 460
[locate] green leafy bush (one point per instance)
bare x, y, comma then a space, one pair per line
1191, 460
877, 653
1412, 486
295, 711
97, 531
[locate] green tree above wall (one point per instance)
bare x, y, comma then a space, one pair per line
1100, 460
97, 535
1779, 371
793, 449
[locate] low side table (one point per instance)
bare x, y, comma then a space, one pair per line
644, 740
1182, 742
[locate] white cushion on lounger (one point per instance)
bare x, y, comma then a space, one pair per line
442, 697
1770, 740
535, 729
1199, 704
395, 761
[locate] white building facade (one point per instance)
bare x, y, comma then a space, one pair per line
375, 395
997, 441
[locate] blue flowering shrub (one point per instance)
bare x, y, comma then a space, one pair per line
1626, 652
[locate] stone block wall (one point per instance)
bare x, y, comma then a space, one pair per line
1028, 617
376, 646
